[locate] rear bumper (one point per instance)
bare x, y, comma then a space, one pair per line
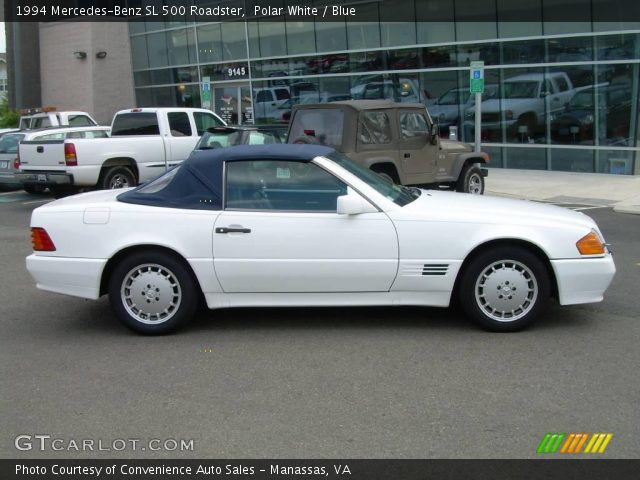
583, 280
9, 179
45, 178
79, 277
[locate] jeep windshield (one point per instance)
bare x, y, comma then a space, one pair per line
398, 194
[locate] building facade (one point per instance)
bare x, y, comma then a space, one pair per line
558, 95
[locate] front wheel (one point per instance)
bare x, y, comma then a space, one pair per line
153, 293
504, 289
471, 180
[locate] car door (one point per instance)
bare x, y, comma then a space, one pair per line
280, 233
417, 154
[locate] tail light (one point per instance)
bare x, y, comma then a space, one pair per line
70, 158
41, 241
16, 162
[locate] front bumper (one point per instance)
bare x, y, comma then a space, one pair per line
45, 178
583, 280
79, 277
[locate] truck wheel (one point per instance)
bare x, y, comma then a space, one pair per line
471, 180
117, 177
33, 188
153, 292
504, 289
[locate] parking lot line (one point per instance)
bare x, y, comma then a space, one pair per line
37, 201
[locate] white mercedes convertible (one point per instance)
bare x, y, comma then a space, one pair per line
301, 225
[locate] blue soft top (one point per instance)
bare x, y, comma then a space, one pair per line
198, 182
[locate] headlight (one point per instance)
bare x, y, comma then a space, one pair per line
591, 244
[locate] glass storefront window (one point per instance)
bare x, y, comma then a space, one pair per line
525, 158
331, 36
300, 37
567, 160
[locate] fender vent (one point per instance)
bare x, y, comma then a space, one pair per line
435, 269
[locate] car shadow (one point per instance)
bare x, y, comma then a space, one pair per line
97, 317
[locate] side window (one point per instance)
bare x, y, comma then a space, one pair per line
287, 185
375, 127
51, 136
179, 124
80, 121
76, 135
204, 120
563, 86
282, 93
135, 123
264, 96
41, 122
91, 134
547, 87
413, 124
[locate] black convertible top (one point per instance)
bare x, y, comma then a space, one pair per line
197, 182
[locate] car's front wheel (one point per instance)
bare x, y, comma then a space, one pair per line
471, 180
153, 292
504, 289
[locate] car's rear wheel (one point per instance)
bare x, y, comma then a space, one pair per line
34, 188
504, 289
471, 180
153, 292
117, 177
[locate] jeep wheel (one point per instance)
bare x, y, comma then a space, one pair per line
471, 180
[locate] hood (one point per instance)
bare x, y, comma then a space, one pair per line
453, 146
469, 208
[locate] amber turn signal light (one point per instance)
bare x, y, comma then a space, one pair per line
41, 241
590, 244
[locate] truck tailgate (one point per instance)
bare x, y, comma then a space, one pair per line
42, 155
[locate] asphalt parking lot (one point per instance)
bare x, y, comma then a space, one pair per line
317, 383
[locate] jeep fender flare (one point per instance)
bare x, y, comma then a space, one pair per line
468, 158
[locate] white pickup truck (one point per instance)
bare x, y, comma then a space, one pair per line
45, 118
144, 142
525, 100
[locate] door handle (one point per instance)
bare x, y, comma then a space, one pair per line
39, 149
407, 155
232, 230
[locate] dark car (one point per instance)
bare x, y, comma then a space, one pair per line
611, 104
230, 135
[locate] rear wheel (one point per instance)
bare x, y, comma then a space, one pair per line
504, 289
471, 180
117, 177
388, 172
34, 188
153, 292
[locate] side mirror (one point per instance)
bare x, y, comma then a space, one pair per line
353, 204
434, 133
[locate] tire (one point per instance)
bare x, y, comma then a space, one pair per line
117, 177
504, 289
530, 121
138, 278
307, 140
470, 180
387, 172
34, 188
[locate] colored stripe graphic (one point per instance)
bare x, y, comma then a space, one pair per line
572, 443
598, 443
551, 442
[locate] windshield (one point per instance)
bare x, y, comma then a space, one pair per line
219, 139
521, 89
396, 193
9, 143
